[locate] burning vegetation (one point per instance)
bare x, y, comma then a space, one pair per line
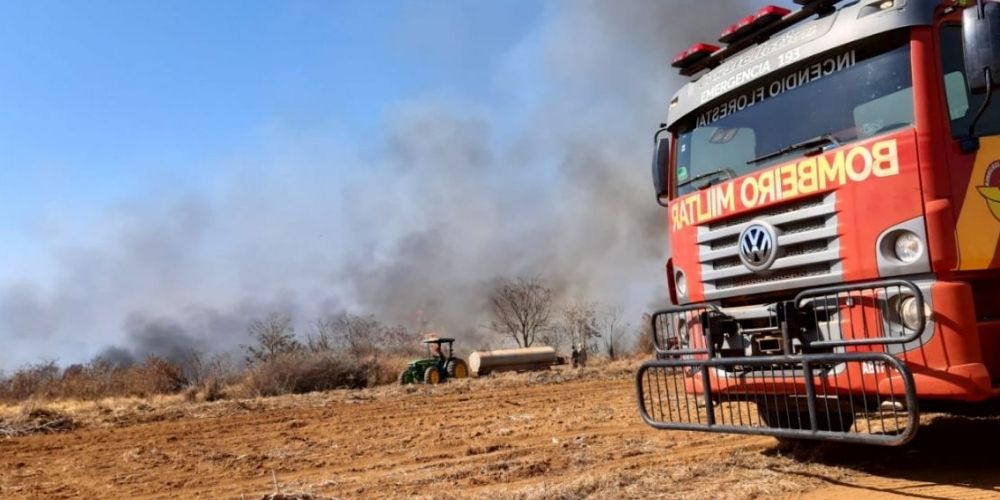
342, 350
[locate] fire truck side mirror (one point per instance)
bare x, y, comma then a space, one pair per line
981, 43
661, 172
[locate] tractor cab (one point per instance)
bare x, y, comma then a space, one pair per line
439, 365
436, 348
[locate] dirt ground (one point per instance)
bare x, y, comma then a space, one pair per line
560, 434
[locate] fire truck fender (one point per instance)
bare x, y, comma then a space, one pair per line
969, 382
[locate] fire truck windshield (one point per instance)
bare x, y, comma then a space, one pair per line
852, 93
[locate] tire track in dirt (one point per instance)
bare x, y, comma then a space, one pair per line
513, 436
354, 448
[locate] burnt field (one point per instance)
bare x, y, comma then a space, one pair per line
558, 434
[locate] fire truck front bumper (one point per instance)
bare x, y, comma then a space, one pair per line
816, 367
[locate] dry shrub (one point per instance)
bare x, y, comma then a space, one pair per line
156, 376
385, 369
644, 343
31, 381
301, 372
210, 389
342, 351
209, 378
95, 380
101, 379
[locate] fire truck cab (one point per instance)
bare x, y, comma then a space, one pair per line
831, 181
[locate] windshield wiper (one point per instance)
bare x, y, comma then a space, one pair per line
714, 173
818, 141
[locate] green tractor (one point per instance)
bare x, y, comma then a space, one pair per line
437, 367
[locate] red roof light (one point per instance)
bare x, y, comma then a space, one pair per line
750, 24
693, 54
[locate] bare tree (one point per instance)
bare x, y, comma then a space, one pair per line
199, 367
521, 309
358, 335
320, 337
579, 322
557, 338
399, 340
644, 342
613, 329
274, 336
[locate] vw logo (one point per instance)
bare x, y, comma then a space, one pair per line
758, 246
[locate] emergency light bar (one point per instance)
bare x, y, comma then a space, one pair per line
751, 29
753, 23
693, 54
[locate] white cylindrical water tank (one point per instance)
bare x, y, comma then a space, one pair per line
529, 358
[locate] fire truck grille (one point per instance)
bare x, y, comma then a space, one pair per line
725, 242
808, 250
753, 279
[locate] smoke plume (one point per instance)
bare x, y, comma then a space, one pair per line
549, 178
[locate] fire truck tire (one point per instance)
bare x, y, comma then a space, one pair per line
833, 421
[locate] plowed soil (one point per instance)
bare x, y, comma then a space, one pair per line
564, 433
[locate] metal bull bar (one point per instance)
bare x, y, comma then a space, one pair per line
813, 387
675, 328
875, 325
809, 396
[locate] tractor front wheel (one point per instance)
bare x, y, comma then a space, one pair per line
457, 369
432, 376
405, 378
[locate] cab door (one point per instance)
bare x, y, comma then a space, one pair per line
974, 176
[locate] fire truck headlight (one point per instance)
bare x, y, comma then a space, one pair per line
681, 283
908, 247
909, 313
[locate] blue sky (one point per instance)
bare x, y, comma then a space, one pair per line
105, 101
170, 171
122, 119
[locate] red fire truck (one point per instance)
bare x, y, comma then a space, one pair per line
831, 178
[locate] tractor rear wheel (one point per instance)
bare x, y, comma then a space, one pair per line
457, 369
432, 376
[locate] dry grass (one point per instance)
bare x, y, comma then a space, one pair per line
291, 373
35, 419
562, 433
323, 380
102, 412
216, 399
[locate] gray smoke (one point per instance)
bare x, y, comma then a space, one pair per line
413, 232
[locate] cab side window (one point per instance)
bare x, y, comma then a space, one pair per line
963, 106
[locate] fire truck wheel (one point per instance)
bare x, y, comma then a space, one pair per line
834, 421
